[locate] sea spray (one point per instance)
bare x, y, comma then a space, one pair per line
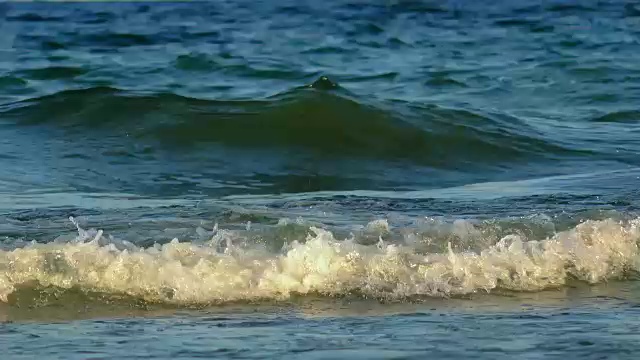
190, 273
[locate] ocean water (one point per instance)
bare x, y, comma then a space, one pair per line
381, 179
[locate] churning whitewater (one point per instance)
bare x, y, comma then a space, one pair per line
218, 272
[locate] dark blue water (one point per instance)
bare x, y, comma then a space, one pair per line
370, 179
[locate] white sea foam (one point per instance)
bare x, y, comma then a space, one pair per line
187, 273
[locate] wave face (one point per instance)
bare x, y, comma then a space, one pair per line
320, 122
330, 139
226, 269
214, 98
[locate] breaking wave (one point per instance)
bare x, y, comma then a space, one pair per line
221, 271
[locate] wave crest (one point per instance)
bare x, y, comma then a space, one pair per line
334, 124
218, 272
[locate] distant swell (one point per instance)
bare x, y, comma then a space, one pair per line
219, 271
327, 123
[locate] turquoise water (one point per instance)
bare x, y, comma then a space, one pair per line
381, 179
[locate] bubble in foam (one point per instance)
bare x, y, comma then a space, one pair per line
215, 272
378, 226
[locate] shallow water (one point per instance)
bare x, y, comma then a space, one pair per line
463, 182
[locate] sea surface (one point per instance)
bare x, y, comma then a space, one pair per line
297, 179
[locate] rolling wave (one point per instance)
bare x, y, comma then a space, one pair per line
331, 123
